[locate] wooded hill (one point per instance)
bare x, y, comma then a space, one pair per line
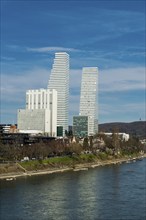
137, 128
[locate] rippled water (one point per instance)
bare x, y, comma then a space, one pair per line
112, 192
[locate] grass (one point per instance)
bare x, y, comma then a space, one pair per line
50, 162
62, 162
31, 165
87, 157
58, 161
67, 161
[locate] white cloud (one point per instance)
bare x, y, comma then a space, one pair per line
7, 58
50, 49
125, 112
14, 86
108, 109
110, 80
122, 79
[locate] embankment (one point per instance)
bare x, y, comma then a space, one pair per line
60, 164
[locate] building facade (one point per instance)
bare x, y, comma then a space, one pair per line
80, 126
40, 113
88, 98
59, 80
5, 128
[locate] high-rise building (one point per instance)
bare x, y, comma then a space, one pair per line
88, 98
59, 80
40, 113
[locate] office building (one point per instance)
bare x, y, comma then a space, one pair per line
59, 80
88, 98
40, 115
80, 126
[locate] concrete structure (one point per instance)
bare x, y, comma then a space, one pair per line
41, 99
31, 132
40, 113
59, 80
80, 126
88, 98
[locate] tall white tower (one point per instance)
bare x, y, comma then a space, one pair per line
88, 98
59, 80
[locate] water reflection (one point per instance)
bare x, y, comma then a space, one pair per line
110, 192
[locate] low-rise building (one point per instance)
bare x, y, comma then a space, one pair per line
8, 128
80, 126
123, 136
40, 113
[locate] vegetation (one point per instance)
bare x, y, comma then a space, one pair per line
137, 128
64, 152
58, 162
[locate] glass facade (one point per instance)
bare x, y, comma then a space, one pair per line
80, 126
59, 131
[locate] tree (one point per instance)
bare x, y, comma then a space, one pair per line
75, 148
85, 143
91, 141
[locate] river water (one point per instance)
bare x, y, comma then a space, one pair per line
112, 192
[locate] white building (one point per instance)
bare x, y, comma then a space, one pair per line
59, 80
123, 136
88, 98
40, 113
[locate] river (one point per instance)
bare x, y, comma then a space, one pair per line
111, 192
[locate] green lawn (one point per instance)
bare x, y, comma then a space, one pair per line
58, 161
67, 161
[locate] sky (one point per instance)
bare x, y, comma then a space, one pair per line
109, 35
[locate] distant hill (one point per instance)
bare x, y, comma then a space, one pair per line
137, 128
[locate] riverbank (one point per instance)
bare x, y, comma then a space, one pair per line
23, 172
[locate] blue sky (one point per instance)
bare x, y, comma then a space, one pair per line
107, 34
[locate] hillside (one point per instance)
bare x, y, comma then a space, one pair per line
137, 128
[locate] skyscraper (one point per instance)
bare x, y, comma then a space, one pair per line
59, 80
88, 98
